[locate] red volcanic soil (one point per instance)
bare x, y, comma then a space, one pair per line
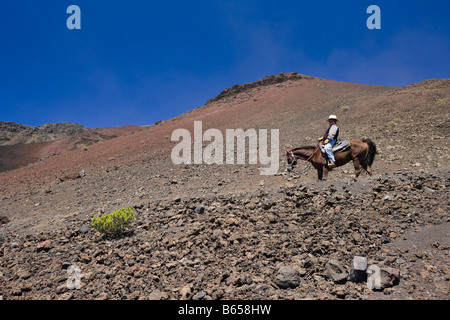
118, 131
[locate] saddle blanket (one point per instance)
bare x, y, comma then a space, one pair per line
340, 146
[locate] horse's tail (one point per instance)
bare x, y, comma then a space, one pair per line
370, 157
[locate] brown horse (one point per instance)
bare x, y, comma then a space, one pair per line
362, 153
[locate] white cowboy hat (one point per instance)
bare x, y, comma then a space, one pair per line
332, 117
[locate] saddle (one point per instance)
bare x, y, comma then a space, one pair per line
339, 147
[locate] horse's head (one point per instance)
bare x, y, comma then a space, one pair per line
291, 159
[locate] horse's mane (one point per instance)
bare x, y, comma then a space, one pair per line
306, 147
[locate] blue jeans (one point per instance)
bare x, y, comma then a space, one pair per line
328, 147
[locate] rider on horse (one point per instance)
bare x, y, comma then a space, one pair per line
362, 153
329, 139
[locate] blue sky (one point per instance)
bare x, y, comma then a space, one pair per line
140, 61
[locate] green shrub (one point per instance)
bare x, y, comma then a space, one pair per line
440, 102
397, 120
114, 224
345, 108
391, 123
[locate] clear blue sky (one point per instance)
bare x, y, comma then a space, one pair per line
139, 61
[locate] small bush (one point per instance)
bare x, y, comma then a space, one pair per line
85, 148
397, 120
345, 108
114, 224
391, 123
440, 102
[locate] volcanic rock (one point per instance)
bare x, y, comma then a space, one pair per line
287, 277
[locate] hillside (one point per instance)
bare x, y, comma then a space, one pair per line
12, 133
398, 119
22, 145
52, 199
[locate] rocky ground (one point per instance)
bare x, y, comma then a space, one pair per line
294, 242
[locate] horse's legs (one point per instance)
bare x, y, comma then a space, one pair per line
320, 174
366, 167
357, 166
325, 174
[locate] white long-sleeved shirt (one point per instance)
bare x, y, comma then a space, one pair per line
332, 132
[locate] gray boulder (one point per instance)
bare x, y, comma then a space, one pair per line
287, 277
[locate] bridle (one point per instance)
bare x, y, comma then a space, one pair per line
295, 162
294, 159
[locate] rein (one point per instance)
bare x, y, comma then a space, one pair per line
305, 161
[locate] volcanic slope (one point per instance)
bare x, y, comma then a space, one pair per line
22, 145
410, 126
